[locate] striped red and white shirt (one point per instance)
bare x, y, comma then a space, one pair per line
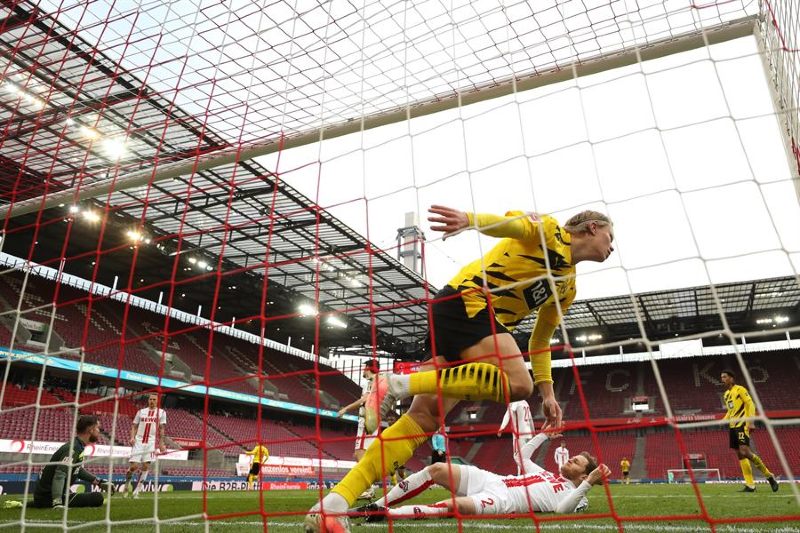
519, 414
147, 421
543, 491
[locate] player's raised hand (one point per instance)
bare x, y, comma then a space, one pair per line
450, 221
598, 474
552, 414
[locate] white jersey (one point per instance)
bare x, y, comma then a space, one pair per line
148, 421
545, 492
364, 439
519, 414
561, 456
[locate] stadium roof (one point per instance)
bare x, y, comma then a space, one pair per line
748, 307
64, 106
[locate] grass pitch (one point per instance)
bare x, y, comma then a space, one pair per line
283, 510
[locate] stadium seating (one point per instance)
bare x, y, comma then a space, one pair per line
98, 328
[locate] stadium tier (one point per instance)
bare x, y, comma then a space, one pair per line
232, 365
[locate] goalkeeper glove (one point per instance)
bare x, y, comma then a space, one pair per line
106, 486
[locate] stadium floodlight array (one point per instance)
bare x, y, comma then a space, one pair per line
263, 154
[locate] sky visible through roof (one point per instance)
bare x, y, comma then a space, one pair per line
684, 153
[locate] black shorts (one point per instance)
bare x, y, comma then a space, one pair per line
84, 499
453, 330
625, 473
739, 437
438, 457
255, 468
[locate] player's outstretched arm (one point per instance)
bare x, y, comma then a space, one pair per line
547, 320
352, 406
451, 221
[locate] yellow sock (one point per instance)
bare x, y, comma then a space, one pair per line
472, 381
756, 460
747, 471
377, 462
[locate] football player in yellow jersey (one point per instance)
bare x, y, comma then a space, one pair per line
474, 354
625, 466
741, 407
260, 455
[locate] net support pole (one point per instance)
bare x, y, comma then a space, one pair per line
785, 104
661, 48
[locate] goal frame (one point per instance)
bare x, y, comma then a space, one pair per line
689, 472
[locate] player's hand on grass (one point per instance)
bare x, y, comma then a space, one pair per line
552, 414
598, 474
105, 486
451, 221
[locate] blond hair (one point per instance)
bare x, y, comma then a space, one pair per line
580, 223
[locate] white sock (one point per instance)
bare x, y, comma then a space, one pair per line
139, 483
408, 488
400, 385
418, 512
331, 503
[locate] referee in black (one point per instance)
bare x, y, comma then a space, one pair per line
52, 489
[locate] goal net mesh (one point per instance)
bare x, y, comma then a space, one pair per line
202, 201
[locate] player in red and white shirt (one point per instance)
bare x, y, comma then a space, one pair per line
364, 438
561, 455
519, 414
147, 435
479, 492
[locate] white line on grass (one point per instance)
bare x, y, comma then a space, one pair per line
467, 524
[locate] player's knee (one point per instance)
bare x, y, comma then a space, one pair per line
464, 506
438, 471
427, 419
520, 387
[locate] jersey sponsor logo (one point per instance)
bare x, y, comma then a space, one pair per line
537, 294
403, 486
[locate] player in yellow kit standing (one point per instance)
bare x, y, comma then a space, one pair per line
260, 455
474, 355
625, 466
741, 407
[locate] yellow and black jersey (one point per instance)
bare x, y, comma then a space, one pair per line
515, 269
260, 454
739, 404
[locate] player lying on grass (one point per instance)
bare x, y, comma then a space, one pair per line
479, 492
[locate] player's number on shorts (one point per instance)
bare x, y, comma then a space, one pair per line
487, 502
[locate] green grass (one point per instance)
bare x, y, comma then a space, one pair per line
183, 511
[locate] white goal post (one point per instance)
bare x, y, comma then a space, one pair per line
701, 475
